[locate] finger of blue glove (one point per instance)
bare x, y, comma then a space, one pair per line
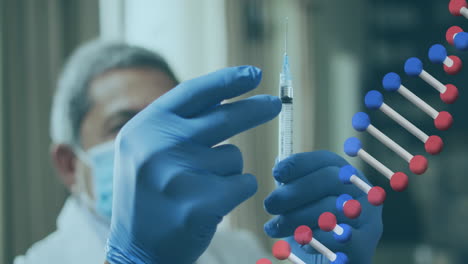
305, 253
359, 249
301, 164
226, 160
308, 189
190, 98
285, 224
327, 239
202, 190
228, 192
230, 119
220, 160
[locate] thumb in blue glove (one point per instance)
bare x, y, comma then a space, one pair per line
172, 187
310, 187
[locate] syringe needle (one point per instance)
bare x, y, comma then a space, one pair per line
286, 35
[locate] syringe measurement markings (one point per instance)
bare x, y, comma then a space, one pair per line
286, 130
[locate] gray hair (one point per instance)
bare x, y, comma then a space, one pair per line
71, 102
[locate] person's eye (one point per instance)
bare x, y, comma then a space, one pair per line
116, 128
115, 124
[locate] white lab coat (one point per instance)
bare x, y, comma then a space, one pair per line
80, 238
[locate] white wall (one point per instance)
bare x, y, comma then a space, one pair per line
2, 178
189, 34
112, 19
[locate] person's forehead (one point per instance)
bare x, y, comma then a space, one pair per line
135, 87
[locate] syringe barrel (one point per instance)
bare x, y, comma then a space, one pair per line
286, 131
286, 89
286, 118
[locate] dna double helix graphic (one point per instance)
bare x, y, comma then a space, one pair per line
361, 122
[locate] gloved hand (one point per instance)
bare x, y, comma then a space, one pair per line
310, 187
172, 187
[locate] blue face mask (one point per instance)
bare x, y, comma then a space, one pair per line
100, 159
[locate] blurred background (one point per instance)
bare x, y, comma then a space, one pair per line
339, 50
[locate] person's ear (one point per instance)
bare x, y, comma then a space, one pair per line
64, 160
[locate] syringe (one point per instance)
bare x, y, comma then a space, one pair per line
286, 115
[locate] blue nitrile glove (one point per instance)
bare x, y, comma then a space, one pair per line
172, 187
310, 187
